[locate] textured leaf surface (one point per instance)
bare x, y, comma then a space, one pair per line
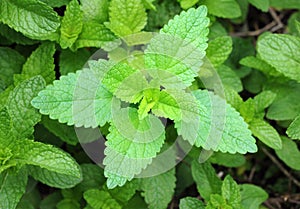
294, 129
12, 187
101, 199
47, 164
77, 99
191, 203
289, 153
40, 62
93, 34
228, 160
229, 78
5, 123
252, 196
10, 63
285, 4
71, 24
282, 52
131, 143
32, 18
158, 190
266, 133
126, 17
206, 179
23, 115
221, 8
262, 5
219, 50
221, 128
95, 10
231, 192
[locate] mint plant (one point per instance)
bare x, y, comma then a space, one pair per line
149, 104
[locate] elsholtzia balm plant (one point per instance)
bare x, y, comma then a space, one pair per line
132, 95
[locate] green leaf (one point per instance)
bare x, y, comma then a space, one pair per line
158, 190
40, 62
266, 133
293, 130
32, 18
206, 179
191, 203
289, 153
47, 164
126, 17
101, 200
217, 201
263, 100
71, 24
15, 36
95, 10
185, 4
229, 78
93, 34
281, 51
287, 98
70, 62
219, 50
285, 4
227, 159
23, 115
261, 65
125, 193
12, 188
231, 192
77, 99
64, 132
131, 143
252, 196
10, 63
125, 82
56, 3
5, 123
68, 204
262, 5
220, 128
221, 8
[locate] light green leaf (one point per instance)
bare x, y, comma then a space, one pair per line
221, 8
261, 65
206, 179
126, 17
47, 164
191, 203
70, 62
219, 50
220, 128
293, 130
263, 100
64, 132
15, 36
10, 63
281, 51
289, 153
229, 78
227, 159
71, 24
231, 192
125, 82
12, 188
32, 18
285, 4
262, 5
95, 10
252, 196
131, 143
99, 199
23, 115
266, 133
40, 62
77, 99
158, 190
93, 35
217, 201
